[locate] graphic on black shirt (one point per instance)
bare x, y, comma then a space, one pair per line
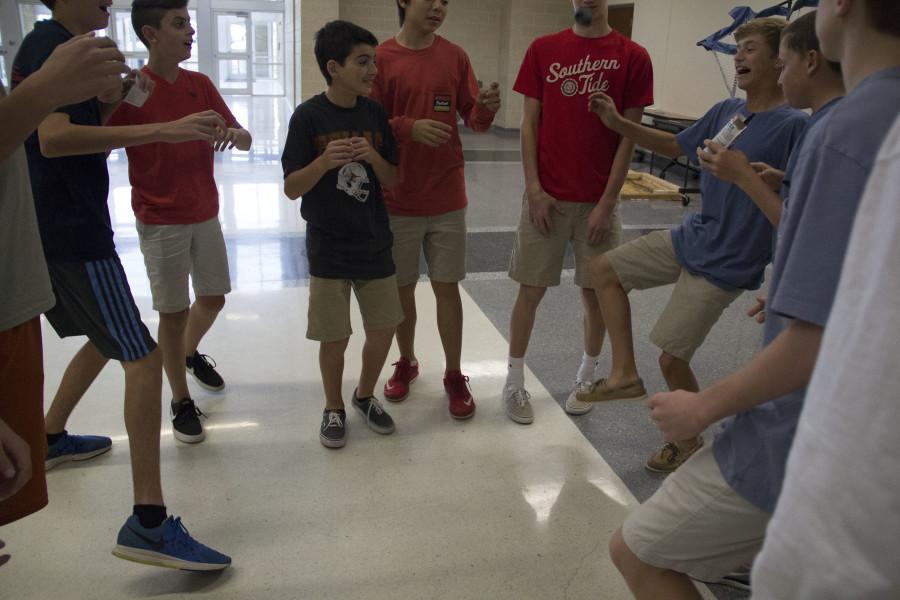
354, 181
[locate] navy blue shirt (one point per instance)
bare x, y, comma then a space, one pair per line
832, 168
730, 241
70, 193
348, 233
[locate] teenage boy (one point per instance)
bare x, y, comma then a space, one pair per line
339, 152
809, 81
713, 256
77, 70
574, 169
424, 81
70, 183
176, 203
710, 516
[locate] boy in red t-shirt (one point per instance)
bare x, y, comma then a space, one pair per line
176, 203
424, 81
574, 170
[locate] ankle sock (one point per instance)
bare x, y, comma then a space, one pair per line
515, 376
52, 438
150, 515
586, 370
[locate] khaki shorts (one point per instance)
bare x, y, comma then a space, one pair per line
537, 260
174, 253
328, 319
442, 238
695, 304
696, 523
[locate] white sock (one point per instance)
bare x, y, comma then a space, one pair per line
586, 370
515, 376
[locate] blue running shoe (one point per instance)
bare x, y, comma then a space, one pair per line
76, 447
169, 545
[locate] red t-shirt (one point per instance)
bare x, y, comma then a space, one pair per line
173, 184
432, 83
575, 149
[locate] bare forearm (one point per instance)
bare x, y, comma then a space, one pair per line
385, 171
621, 163
87, 139
20, 114
770, 203
660, 142
301, 181
784, 366
529, 139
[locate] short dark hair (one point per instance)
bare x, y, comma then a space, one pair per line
336, 41
401, 12
151, 12
49, 3
884, 15
800, 37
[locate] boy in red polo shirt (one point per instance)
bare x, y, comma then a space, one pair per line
176, 203
424, 81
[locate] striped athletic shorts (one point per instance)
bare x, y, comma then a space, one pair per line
93, 299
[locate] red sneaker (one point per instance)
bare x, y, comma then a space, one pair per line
397, 387
462, 406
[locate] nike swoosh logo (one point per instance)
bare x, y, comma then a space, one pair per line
468, 402
156, 545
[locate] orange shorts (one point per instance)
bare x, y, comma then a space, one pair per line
22, 409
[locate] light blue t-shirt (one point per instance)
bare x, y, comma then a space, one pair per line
832, 168
729, 242
795, 153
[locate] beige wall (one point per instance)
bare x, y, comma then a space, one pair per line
496, 33
686, 77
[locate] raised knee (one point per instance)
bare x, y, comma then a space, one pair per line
667, 362
619, 551
602, 273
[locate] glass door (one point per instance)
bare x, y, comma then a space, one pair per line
232, 52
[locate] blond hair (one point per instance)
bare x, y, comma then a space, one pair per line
769, 28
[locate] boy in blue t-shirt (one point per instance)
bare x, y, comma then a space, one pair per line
713, 256
338, 153
710, 517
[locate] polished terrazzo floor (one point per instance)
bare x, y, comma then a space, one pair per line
441, 509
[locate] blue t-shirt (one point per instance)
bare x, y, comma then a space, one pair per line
832, 168
70, 192
729, 242
795, 153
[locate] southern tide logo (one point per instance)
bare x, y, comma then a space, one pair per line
584, 77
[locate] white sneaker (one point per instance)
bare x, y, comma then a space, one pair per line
574, 406
518, 408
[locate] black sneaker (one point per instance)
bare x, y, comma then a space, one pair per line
333, 431
186, 425
202, 367
376, 418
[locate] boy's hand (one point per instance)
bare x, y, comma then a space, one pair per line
15, 462
599, 223
361, 150
728, 165
540, 206
773, 177
227, 141
678, 415
758, 310
603, 106
137, 78
207, 126
431, 133
337, 154
490, 97
81, 68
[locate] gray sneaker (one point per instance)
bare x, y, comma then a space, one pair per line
376, 418
333, 431
574, 406
518, 408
